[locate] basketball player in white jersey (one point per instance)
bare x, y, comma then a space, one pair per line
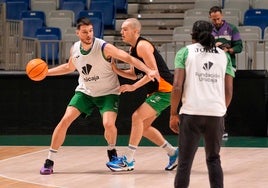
98, 87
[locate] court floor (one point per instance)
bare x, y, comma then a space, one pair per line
84, 167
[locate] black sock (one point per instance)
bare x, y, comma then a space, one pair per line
48, 163
111, 153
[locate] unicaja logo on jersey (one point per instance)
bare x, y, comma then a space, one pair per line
207, 66
86, 70
207, 76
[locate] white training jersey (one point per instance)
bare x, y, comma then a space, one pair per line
96, 77
204, 86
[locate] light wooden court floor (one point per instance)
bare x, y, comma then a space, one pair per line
244, 161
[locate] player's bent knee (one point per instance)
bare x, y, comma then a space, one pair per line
109, 126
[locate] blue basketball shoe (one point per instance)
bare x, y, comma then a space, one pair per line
173, 161
120, 164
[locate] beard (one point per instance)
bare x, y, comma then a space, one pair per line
218, 26
87, 41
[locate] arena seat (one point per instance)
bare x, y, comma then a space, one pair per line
49, 43
97, 20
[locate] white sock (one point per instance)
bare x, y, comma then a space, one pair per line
111, 147
130, 152
51, 154
168, 148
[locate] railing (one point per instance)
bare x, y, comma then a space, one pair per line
50, 51
13, 42
20, 50
29, 51
253, 56
2, 35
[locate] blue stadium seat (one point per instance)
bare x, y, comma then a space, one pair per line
108, 8
14, 9
49, 38
121, 6
32, 20
28, 2
63, 1
76, 7
256, 17
96, 19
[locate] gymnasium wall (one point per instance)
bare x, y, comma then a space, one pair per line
247, 114
29, 107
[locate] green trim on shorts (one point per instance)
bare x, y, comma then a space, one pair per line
159, 101
86, 104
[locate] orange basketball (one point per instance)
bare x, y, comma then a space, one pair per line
36, 69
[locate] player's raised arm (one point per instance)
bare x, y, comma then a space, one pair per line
111, 51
